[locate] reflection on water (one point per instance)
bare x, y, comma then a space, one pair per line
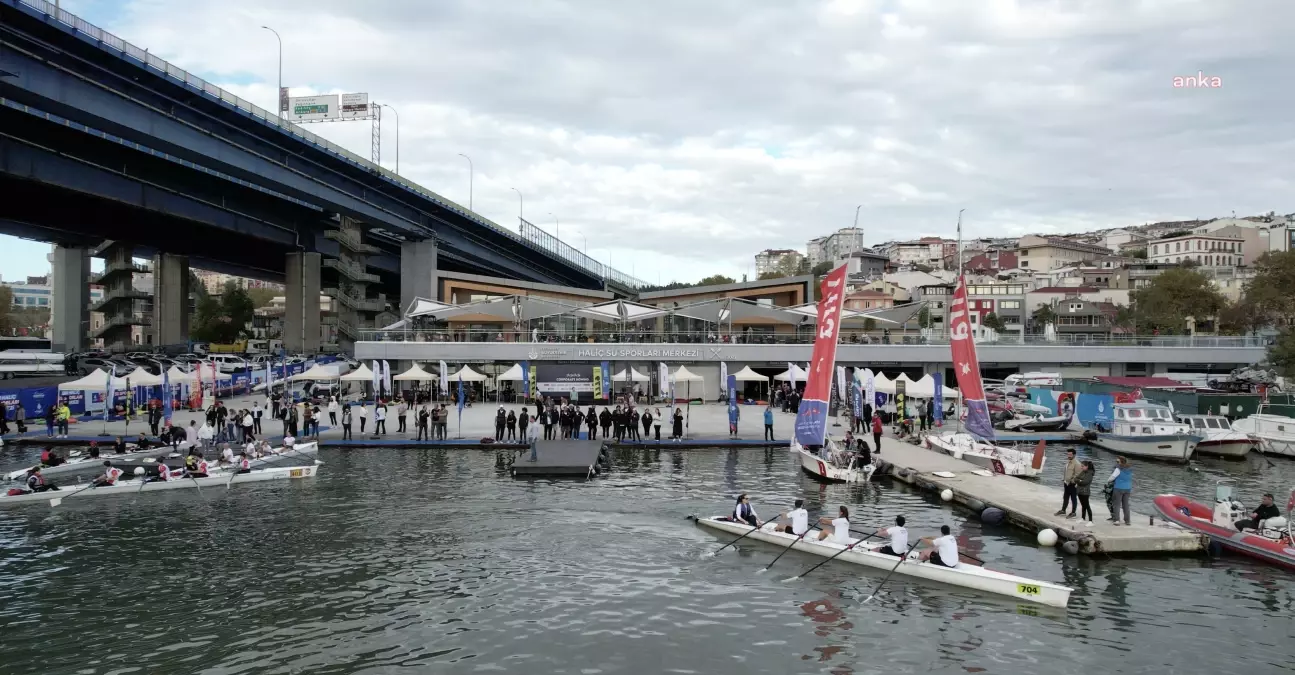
433, 561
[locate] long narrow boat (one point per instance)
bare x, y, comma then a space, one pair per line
964, 575
85, 463
276, 457
1007, 461
130, 487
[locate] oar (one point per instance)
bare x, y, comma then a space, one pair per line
802, 536
892, 570
712, 555
832, 558
59, 500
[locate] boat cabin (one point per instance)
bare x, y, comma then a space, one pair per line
1145, 419
1203, 424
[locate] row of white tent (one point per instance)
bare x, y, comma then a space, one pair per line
99, 380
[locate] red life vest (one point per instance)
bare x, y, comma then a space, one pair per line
163, 471
111, 475
44, 457
244, 464
202, 466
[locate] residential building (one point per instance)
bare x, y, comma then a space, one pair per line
1253, 235
937, 298
1004, 300
928, 251
783, 261
1137, 275
1278, 235
215, 282
1085, 319
869, 299
1122, 240
1207, 250
1053, 295
1047, 253
1230, 281
814, 252
835, 246
988, 262
898, 293
865, 264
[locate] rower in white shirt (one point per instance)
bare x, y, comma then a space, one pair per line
799, 518
109, 476
163, 472
226, 454
288, 442
840, 532
898, 534
946, 549
244, 465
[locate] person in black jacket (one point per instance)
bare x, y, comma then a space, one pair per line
501, 419
677, 434
577, 421
512, 425
632, 424
591, 419
1267, 509
523, 419
647, 422
548, 418
605, 419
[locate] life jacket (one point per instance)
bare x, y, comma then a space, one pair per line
111, 475
163, 471
202, 466
244, 464
35, 480
190, 462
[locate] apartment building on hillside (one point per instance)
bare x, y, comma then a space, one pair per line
780, 260
835, 246
1047, 253
1207, 250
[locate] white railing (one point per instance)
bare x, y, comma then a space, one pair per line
149, 60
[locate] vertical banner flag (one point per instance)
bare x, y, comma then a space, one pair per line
526, 380
840, 382
603, 386
386, 376
872, 392
723, 377
445, 379
269, 377
938, 400
966, 366
731, 383
811, 419
663, 380
107, 402
858, 397
791, 374
901, 399
376, 378
462, 399
167, 396
535, 384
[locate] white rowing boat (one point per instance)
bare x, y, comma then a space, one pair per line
87, 464
831, 469
964, 575
130, 487
84, 462
996, 458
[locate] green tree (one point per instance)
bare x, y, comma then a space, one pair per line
262, 296
992, 320
924, 317
772, 274
821, 269
1043, 315
1282, 353
1246, 315
1172, 297
1272, 291
223, 320
1139, 253
6, 311
716, 280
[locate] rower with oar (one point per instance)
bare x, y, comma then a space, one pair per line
798, 519
199, 467
163, 472
108, 477
840, 532
944, 551
37, 483
898, 538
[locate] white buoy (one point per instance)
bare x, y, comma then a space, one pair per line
946, 495
139, 471
1047, 538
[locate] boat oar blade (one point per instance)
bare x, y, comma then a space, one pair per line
56, 501
892, 571
824, 562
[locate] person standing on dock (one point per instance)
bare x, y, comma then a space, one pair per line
380, 419
501, 419
346, 422
647, 422
1122, 481
421, 421
768, 422
605, 421
657, 417
511, 423
632, 427
677, 430
533, 438
876, 430
332, 411
591, 421
1082, 487
257, 412
402, 413
898, 538
364, 415
523, 421
1070, 498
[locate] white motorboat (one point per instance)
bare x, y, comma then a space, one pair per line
81, 461
964, 575
130, 487
1220, 440
838, 467
1275, 434
1002, 460
1147, 430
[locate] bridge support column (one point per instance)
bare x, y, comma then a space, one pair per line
170, 300
418, 278
301, 311
70, 299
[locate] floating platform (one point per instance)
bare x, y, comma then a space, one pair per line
701, 443
1036, 436
380, 442
561, 458
1030, 505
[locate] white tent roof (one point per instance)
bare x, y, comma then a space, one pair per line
177, 376
468, 375
513, 374
620, 310
142, 378
685, 375
748, 375
785, 376
883, 384
423, 307
635, 376
414, 374
925, 388
361, 374
96, 381
317, 372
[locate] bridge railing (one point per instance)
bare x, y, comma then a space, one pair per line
175, 72
630, 337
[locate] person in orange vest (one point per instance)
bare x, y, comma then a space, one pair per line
876, 431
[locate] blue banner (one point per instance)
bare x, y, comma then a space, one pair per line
939, 396
1093, 409
732, 402
607, 379
526, 380
858, 398
167, 396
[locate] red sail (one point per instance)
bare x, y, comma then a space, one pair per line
811, 418
966, 366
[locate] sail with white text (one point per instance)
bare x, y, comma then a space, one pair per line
967, 366
811, 418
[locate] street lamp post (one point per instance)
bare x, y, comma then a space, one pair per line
278, 93
521, 206
470, 172
397, 135
558, 224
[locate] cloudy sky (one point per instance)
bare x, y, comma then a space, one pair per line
680, 137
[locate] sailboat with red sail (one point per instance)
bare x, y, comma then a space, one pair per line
976, 445
827, 461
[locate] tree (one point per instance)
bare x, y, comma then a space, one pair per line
1138, 253
924, 317
772, 274
1281, 354
261, 296
821, 269
1272, 291
1043, 315
1244, 316
716, 280
1172, 297
6, 310
991, 320
223, 320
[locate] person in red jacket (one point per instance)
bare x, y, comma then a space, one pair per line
876, 431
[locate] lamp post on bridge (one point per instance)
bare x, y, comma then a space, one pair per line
397, 112
521, 207
279, 93
471, 170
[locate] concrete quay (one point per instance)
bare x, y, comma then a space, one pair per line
1030, 505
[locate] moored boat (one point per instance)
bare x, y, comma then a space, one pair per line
83, 462
1271, 542
130, 487
840, 467
1147, 430
1218, 437
1038, 423
275, 457
1275, 434
1007, 461
964, 575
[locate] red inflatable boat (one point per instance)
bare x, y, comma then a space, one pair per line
1273, 546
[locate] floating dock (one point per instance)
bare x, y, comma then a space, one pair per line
561, 458
1030, 505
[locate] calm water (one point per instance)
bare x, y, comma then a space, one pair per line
430, 561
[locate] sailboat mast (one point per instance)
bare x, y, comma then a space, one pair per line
957, 412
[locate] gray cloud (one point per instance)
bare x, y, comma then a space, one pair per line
681, 137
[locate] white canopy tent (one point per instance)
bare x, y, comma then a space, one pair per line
785, 376
317, 372
361, 374
883, 384
925, 388
688, 377
748, 375
634, 376
142, 378
685, 375
467, 375
95, 381
513, 374
414, 374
